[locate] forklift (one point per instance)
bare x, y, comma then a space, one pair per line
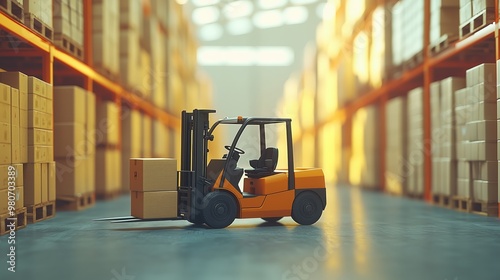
210, 193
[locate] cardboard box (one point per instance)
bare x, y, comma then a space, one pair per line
70, 103
5, 153
71, 176
5, 115
19, 197
153, 174
51, 167
91, 171
23, 144
36, 87
5, 92
45, 182
154, 205
69, 139
4, 200
32, 184
5, 133
107, 123
90, 128
16, 145
108, 170
19, 81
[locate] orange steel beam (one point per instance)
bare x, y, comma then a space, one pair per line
47, 69
87, 32
21, 31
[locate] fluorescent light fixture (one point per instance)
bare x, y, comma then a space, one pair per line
268, 19
181, 2
201, 3
271, 4
238, 9
295, 15
205, 15
303, 2
239, 26
245, 56
210, 32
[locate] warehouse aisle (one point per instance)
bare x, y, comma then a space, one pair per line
362, 235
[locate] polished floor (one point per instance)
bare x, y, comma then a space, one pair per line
361, 235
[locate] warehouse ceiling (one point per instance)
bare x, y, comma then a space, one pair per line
250, 48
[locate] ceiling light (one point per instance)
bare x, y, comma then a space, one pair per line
268, 19
295, 15
201, 3
210, 32
237, 9
205, 15
239, 26
271, 4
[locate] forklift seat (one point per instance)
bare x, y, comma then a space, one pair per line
265, 165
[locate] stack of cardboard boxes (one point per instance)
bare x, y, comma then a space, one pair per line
481, 129
38, 16
444, 136
106, 36
68, 26
131, 121
395, 149
414, 162
108, 156
444, 21
153, 186
75, 134
130, 28
412, 28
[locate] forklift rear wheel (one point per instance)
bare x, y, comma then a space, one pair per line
272, 220
307, 208
220, 209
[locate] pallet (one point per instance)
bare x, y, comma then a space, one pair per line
41, 212
76, 203
476, 23
414, 61
461, 204
13, 9
419, 196
442, 44
21, 222
107, 73
69, 45
442, 200
37, 25
489, 209
109, 195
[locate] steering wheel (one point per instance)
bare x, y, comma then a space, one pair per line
236, 149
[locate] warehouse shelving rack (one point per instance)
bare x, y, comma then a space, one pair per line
455, 60
41, 58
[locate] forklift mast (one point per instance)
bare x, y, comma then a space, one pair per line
194, 155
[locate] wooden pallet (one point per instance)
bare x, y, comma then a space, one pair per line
41, 212
69, 45
109, 195
76, 203
21, 220
442, 44
461, 204
442, 200
37, 25
485, 208
12, 8
476, 23
414, 61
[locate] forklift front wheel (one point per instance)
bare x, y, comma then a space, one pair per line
307, 208
220, 209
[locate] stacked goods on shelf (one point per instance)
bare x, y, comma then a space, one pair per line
153, 59
38, 16
407, 33
395, 145
364, 160
131, 142
39, 172
443, 25
498, 130
481, 148
474, 15
153, 186
161, 141
68, 26
106, 36
14, 8
74, 130
445, 159
463, 113
378, 48
108, 156
11, 167
147, 134
414, 163
435, 95
130, 30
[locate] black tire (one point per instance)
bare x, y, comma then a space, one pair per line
198, 220
220, 209
307, 208
272, 220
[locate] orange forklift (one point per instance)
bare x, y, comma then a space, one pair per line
210, 193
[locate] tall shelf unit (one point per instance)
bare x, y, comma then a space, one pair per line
452, 61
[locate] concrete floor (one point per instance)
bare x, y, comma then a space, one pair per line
361, 235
